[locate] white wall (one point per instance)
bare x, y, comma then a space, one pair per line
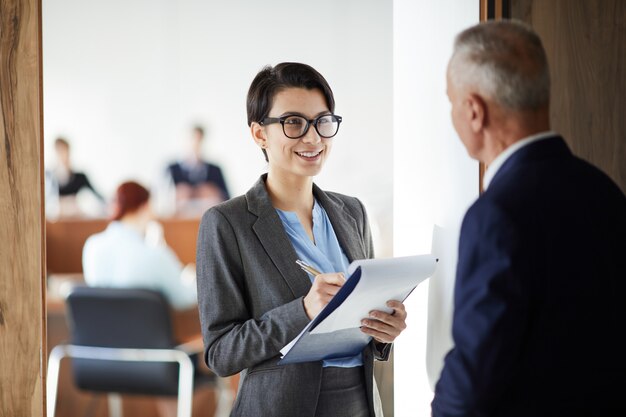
125, 80
434, 183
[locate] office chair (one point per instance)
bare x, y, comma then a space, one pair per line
122, 343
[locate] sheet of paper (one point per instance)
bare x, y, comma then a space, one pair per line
288, 346
381, 280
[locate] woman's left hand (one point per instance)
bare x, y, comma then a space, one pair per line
385, 327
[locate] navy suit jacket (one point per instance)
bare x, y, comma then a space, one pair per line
205, 173
540, 294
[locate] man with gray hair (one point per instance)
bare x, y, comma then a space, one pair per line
541, 277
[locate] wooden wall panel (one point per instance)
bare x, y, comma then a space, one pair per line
585, 41
490, 10
21, 232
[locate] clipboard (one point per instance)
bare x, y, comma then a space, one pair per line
336, 331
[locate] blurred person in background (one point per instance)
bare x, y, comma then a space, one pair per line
65, 183
132, 253
199, 184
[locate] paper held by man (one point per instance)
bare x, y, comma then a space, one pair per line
335, 331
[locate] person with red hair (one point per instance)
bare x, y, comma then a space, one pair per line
122, 257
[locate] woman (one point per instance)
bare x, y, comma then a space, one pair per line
253, 297
121, 256
64, 185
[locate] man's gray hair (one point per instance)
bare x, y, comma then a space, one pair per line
503, 61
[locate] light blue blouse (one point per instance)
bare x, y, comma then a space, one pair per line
325, 255
119, 258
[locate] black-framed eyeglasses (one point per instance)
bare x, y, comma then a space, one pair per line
294, 126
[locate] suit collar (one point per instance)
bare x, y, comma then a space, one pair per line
270, 231
493, 167
257, 198
550, 147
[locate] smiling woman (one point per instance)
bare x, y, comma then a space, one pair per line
252, 296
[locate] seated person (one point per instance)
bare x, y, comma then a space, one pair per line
68, 182
122, 257
196, 179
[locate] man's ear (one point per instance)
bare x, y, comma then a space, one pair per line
476, 112
258, 135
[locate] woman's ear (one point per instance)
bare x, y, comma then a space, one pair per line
258, 135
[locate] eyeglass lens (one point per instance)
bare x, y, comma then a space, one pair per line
297, 126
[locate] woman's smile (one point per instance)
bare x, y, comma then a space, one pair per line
311, 156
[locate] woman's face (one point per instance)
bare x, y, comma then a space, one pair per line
304, 156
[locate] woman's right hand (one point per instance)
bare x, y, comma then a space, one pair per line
325, 286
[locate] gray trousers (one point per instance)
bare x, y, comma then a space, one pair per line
342, 393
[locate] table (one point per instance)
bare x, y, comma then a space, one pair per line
65, 240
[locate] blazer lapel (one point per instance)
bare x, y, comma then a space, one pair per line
552, 147
344, 225
269, 229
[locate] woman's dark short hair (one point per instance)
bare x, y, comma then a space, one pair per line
271, 80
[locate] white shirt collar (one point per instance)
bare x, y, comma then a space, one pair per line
495, 165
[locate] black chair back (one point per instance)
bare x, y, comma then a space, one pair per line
122, 318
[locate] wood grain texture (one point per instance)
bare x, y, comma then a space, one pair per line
498, 8
585, 41
21, 279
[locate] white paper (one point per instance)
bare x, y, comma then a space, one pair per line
381, 280
288, 346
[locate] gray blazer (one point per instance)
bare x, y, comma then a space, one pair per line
250, 297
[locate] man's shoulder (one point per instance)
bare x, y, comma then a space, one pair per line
537, 193
597, 177
529, 181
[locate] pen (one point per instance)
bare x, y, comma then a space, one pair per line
308, 268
